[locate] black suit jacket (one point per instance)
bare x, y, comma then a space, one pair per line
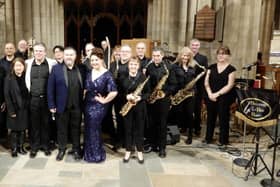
2, 78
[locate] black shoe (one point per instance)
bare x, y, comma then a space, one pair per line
14, 152
33, 154
77, 156
206, 141
21, 151
197, 132
188, 141
278, 173
162, 153
60, 155
47, 152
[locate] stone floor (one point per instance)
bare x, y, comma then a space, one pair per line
195, 165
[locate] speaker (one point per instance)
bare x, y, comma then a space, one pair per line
173, 135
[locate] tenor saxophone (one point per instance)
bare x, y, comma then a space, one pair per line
157, 92
129, 104
186, 92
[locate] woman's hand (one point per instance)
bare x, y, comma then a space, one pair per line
100, 99
213, 96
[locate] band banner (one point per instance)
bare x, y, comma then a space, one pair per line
258, 104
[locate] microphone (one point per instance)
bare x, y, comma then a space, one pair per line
249, 65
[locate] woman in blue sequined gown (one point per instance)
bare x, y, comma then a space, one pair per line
100, 90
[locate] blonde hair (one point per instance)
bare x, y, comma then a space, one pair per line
187, 50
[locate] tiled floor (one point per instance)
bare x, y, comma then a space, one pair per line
195, 165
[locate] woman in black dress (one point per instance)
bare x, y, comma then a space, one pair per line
16, 97
134, 119
183, 113
219, 82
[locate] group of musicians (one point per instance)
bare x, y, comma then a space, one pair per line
150, 94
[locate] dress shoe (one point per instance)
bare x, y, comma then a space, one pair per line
188, 141
70, 152
21, 151
162, 153
76, 155
60, 155
197, 132
47, 152
278, 173
14, 152
206, 141
33, 154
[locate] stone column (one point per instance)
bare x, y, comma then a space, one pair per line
266, 28
2, 28
241, 32
9, 21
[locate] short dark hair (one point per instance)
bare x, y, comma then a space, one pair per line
155, 49
97, 52
61, 48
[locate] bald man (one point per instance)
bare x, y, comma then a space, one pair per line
22, 49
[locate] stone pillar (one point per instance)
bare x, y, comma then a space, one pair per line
241, 32
9, 21
266, 28
2, 28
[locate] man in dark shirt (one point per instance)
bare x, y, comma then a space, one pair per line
159, 109
37, 73
22, 50
65, 95
140, 53
88, 49
5, 63
200, 90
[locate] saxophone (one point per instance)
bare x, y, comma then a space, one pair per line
157, 92
185, 92
129, 104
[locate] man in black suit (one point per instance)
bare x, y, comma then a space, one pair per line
6, 63
200, 93
65, 95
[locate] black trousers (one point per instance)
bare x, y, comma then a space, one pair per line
69, 120
17, 139
39, 116
158, 115
120, 135
221, 108
3, 126
197, 110
108, 124
183, 115
134, 123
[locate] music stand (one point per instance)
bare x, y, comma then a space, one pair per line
252, 164
272, 182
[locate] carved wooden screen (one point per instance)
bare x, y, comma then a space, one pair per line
92, 20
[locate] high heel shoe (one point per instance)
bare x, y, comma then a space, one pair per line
126, 157
140, 158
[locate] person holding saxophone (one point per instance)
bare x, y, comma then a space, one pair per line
182, 111
134, 88
163, 84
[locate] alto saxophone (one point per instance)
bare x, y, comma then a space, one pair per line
185, 92
157, 92
129, 104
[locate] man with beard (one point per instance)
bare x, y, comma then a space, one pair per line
65, 96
